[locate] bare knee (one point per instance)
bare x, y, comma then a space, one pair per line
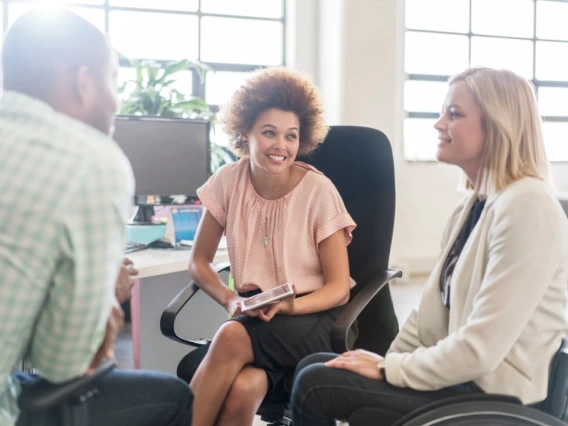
232, 342
247, 392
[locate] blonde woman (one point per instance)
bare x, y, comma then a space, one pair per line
492, 312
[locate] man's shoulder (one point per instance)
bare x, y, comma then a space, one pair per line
37, 127
84, 143
61, 153
58, 136
88, 148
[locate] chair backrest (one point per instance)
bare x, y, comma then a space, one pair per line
556, 403
359, 161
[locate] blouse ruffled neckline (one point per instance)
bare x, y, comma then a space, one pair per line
261, 201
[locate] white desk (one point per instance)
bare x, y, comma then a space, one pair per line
163, 273
154, 262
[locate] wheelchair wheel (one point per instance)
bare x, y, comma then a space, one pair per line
482, 413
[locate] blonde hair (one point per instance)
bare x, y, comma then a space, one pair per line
514, 145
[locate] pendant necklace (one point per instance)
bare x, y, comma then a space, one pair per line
265, 240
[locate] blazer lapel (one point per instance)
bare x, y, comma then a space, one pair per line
432, 312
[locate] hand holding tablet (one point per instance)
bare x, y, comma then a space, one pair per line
267, 297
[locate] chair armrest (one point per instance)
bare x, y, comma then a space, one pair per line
340, 329
43, 395
168, 319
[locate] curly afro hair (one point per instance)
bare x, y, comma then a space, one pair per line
280, 88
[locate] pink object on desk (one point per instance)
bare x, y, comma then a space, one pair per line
135, 318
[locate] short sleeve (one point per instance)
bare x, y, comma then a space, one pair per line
214, 195
330, 213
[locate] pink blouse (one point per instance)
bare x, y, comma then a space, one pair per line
293, 225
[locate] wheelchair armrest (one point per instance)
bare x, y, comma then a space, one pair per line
340, 329
43, 395
168, 319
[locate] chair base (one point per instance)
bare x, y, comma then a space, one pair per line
275, 415
280, 422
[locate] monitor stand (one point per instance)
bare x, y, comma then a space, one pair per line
143, 216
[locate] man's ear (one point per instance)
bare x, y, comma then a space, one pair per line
82, 85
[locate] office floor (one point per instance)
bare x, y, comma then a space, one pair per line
405, 294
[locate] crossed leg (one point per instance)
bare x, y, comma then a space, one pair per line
245, 396
227, 389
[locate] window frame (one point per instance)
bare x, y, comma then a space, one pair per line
198, 86
444, 78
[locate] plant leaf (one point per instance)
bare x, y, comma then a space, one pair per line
174, 67
153, 93
201, 69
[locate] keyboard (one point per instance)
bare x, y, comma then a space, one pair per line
133, 246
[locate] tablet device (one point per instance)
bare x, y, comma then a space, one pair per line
267, 297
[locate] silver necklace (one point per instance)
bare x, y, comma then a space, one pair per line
265, 240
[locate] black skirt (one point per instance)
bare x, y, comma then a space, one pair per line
280, 344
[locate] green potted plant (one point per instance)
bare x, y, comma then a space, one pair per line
152, 92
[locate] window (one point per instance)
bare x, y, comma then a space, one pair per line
232, 36
443, 37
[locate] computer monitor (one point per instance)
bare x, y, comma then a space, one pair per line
170, 158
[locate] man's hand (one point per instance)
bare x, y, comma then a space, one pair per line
360, 361
125, 281
114, 324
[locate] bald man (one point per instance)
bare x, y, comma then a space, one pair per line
66, 190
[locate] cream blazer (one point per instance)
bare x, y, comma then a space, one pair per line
508, 301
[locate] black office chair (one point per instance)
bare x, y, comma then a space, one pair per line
484, 409
359, 162
70, 399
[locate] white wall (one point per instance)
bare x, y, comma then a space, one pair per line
367, 47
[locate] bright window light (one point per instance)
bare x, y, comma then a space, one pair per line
444, 37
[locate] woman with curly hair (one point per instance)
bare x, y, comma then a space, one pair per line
285, 222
